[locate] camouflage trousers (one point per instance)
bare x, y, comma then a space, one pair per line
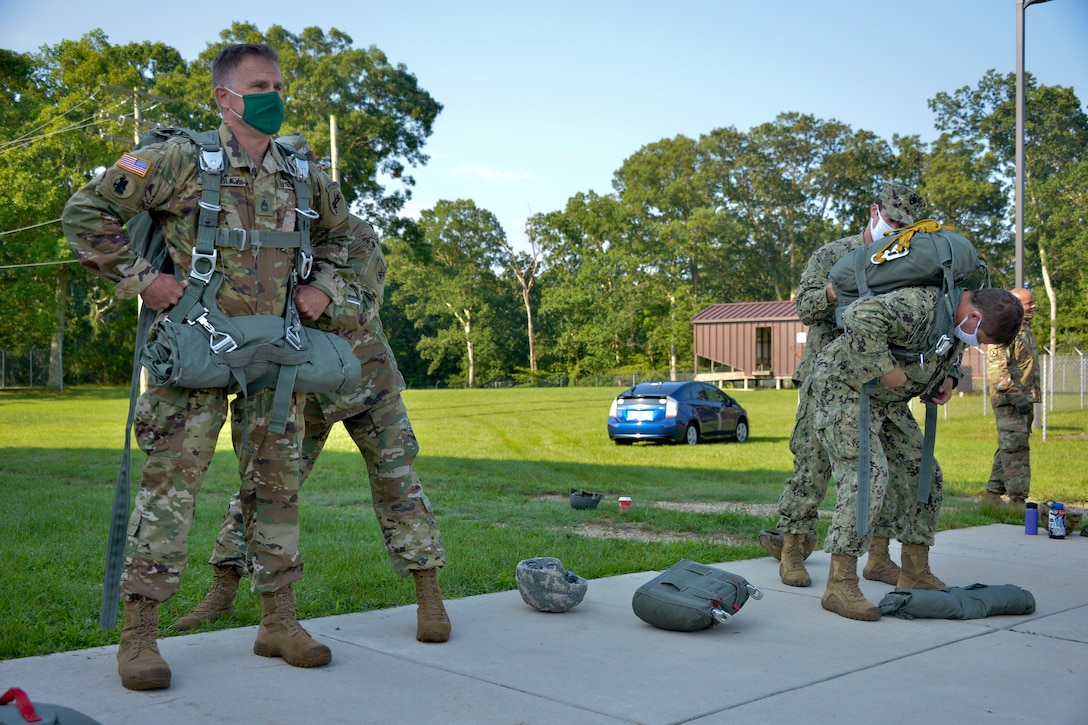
1011, 472
895, 442
178, 429
799, 504
384, 437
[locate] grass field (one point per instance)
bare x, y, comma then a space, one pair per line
497, 465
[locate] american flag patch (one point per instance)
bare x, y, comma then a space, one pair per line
133, 163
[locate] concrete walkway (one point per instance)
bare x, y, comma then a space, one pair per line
782, 659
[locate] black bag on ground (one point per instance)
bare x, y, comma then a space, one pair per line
689, 596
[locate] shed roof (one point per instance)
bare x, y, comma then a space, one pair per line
748, 312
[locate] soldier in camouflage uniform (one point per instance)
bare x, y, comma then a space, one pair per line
1014, 390
178, 428
896, 206
872, 327
375, 417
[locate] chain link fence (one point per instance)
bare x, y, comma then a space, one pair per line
27, 368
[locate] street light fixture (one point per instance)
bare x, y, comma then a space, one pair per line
1021, 5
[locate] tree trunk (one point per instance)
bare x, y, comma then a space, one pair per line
470, 350
529, 325
55, 379
1053, 302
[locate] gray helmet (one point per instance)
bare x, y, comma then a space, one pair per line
548, 587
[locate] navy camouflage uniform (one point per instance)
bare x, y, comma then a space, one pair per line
178, 428
1014, 388
798, 506
373, 415
871, 326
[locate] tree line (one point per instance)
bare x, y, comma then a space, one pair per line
607, 284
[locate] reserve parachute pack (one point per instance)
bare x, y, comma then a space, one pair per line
924, 254
689, 596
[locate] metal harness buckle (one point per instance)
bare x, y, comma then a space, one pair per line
218, 341
211, 160
306, 264
202, 258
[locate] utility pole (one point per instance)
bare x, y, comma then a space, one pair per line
138, 122
335, 154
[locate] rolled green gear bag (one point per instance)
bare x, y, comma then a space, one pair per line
772, 540
179, 355
690, 596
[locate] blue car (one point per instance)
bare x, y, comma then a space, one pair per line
678, 412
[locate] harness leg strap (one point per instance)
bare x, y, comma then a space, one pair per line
864, 458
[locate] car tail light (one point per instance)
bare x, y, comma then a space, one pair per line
670, 407
612, 411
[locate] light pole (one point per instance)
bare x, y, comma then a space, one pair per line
1021, 5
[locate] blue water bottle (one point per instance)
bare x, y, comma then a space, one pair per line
1056, 523
1031, 518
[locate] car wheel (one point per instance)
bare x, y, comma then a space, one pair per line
691, 434
741, 434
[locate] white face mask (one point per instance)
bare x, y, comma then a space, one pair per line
879, 228
968, 338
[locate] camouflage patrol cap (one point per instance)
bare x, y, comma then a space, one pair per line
901, 203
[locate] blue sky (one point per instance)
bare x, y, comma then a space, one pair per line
546, 99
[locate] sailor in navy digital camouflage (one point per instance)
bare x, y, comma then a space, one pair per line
798, 505
1014, 390
873, 326
178, 428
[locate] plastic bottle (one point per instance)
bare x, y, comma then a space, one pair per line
1056, 525
1031, 518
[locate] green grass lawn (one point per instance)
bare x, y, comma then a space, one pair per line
497, 465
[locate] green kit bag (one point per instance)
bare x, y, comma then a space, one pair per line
689, 596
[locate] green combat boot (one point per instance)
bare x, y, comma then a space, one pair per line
792, 567
879, 567
842, 596
280, 634
916, 573
219, 600
432, 623
138, 660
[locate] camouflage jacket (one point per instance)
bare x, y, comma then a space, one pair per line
164, 179
812, 305
1011, 369
357, 320
874, 325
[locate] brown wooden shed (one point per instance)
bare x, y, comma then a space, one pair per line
755, 340
746, 342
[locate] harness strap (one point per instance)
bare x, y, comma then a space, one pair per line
925, 475
864, 458
118, 533
242, 239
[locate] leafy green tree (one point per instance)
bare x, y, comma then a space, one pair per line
454, 289
1056, 144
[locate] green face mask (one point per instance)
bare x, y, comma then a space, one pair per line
262, 111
